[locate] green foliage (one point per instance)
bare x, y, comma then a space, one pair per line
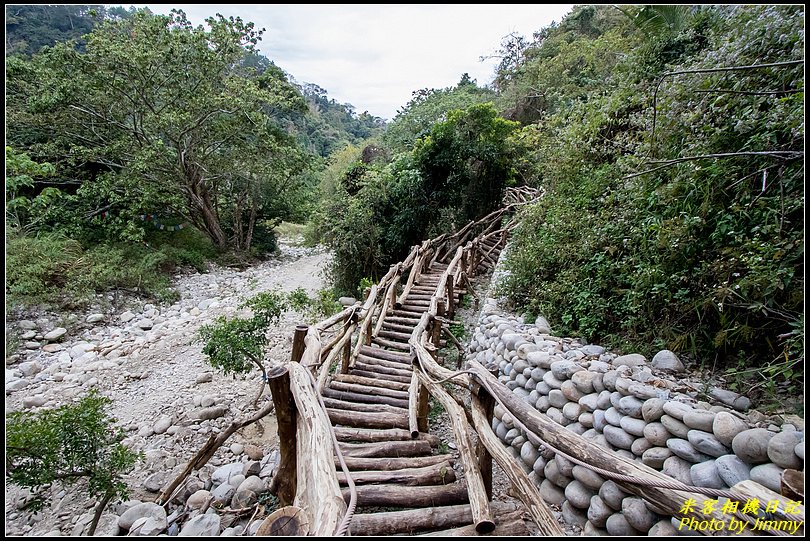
235, 344
72, 442
21, 172
57, 270
201, 137
704, 256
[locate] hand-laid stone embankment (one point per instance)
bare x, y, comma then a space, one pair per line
642, 409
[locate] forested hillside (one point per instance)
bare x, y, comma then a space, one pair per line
138, 142
668, 140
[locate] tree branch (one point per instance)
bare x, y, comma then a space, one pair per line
781, 154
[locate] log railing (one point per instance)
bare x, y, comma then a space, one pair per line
310, 480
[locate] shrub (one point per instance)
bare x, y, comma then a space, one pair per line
66, 444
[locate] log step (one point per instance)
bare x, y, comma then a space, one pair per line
369, 435
388, 326
439, 474
417, 520
401, 320
365, 389
364, 398
377, 374
395, 336
393, 368
390, 344
401, 496
367, 419
335, 403
372, 381
411, 309
386, 449
392, 463
378, 353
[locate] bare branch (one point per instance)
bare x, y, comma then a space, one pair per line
780, 154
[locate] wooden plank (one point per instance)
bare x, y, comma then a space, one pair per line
392, 356
510, 525
390, 344
367, 389
392, 463
401, 496
364, 398
408, 329
438, 474
386, 449
369, 435
396, 336
377, 374
358, 406
416, 520
375, 382
367, 419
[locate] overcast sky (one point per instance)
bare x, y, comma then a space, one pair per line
374, 56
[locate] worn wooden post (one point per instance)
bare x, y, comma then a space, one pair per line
298, 342
451, 299
285, 480
483, 455
346, 356
436, 330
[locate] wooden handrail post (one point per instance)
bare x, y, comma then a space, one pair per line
451, 299
285, 481
346, 356
436, 330
487, 402
422, 408
298, 343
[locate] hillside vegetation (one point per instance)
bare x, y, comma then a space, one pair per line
668, 140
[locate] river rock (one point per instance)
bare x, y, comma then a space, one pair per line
205, 377
551, 493
529, 453
632, 425
707, 443
552, 473
198, 499
573, 515
205, 525
55, 334
675, 427
542, 325
569, 389
686, 450
706, 474
223, 474
768, 475
663, 528
632, 360
613, 416
652, 409
676, 409
556, 398
126, 317
209, 413
726, 426
612, 495
640, 445
752, 445
578, 494
598, 511
27, 325
584, 381
699, 419
618, 437
30, 368
637, 514
589, 478
667, 361
223, 494
603, 400
781, 450
732, 470
630, 405
139, 511
572, 410
654, 457
730, 398
148, 526
162, 424
34, 401
618, 526
678, 468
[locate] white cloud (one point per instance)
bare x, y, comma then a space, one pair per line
374, 56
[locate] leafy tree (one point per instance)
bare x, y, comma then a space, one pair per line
234, 345
428, 106
20, 174
66, 444
171, 120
